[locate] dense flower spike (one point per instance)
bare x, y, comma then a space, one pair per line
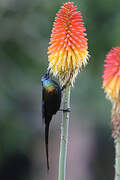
111, 77
68, 45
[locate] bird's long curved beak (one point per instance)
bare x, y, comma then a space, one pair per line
48, 71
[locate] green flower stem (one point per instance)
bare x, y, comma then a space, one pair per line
64, 136
117, 158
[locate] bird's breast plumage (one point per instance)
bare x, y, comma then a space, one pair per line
51, 97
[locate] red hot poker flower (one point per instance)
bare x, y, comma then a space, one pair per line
111, 77
68, 45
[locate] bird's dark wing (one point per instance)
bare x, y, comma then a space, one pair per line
46, 118
43, 107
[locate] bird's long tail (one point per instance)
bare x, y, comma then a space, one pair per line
46, 141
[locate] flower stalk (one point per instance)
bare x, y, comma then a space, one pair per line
64, 136
116, 136
117, 158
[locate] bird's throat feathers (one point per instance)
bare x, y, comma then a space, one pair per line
49, 86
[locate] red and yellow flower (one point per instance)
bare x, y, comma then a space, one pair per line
68, 48
111, 76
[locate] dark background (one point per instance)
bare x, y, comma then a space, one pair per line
25, 28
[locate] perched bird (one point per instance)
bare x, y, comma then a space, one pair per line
51, 101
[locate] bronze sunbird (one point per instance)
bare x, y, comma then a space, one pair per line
51, 101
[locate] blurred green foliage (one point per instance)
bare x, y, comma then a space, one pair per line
25, 28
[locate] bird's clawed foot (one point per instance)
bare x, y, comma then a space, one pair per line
65, 110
